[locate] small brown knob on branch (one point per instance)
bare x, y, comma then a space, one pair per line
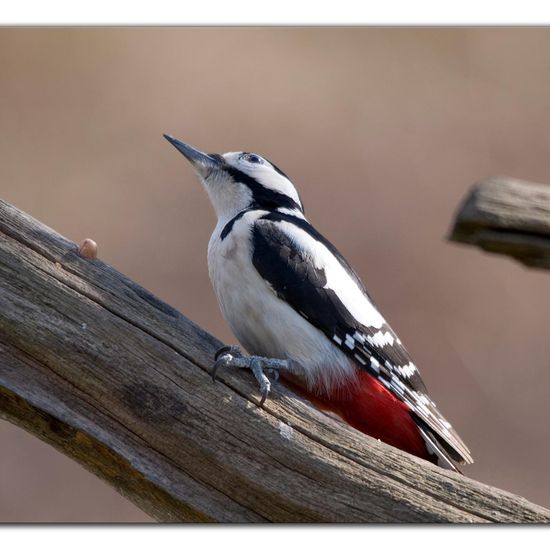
88, 249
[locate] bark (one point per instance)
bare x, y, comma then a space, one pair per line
507, 216
101, 369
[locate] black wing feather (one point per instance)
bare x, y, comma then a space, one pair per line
290, 271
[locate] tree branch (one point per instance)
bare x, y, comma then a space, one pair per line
98, 367
507, 216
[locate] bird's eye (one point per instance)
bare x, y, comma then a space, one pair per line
251, 157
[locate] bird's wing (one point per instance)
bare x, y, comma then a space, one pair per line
308, 273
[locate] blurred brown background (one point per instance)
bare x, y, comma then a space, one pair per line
382, 130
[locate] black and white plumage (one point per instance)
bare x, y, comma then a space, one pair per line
287, 293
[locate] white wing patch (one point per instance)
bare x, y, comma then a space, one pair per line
338, 279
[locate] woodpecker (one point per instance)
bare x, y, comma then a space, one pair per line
299, 309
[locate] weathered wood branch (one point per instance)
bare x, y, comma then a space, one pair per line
507, 216
98, 367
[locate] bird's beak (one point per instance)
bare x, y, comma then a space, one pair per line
204, 164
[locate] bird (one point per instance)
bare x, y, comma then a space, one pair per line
300, 311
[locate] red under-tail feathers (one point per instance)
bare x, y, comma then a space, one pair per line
370, 408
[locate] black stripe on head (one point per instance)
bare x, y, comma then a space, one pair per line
262, 197
280, 172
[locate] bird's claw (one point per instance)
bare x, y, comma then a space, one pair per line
231, 356
231, 350
263, 380
223, 358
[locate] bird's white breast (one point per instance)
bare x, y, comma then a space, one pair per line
263, 323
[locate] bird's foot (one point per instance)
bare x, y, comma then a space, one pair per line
231, 356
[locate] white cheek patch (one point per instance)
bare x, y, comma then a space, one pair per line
265, 175
338, 279
271, 179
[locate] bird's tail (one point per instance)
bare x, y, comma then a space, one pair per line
370, 408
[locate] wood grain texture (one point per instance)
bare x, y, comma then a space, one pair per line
98, 367
507, 216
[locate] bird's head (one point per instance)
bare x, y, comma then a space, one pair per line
236, 181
